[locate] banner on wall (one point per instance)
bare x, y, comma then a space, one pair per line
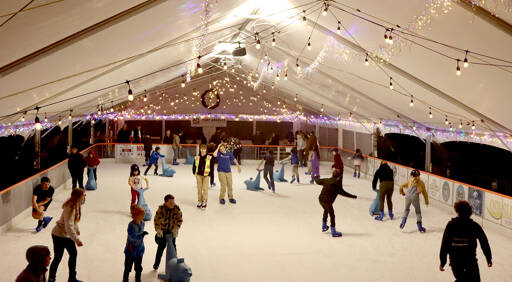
434, 189
459, 192
446, 192
506, 219
129, 152
493, 208
401, 176
476, 200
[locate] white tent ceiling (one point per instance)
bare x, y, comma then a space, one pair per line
157, 35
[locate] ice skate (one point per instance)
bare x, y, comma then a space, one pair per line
391, 215
199, 204
380, 216
233, 201
421, 228
222, 201
46, 221
324, 226
402, 224
335, 233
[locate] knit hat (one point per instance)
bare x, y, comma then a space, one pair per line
415, 173
334, 150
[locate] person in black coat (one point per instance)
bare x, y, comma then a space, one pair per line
148, 147
459, 241
123, 136
385, 175
76, 166
138, 135
168, 138
331, 188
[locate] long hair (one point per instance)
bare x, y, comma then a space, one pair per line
317, 151
75, 203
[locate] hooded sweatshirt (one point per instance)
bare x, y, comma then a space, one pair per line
384, 173
92, 161
36, 268
331, 188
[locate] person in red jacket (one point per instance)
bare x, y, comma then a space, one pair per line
92, 162
338, 163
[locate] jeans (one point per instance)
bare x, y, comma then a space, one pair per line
59, 244
162, 244
328, 211
415, 201
386, 191
128, 263
466, 271
93, 171
149, 166
176, 154
268, 171
77, 178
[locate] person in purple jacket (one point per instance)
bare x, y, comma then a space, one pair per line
315, 164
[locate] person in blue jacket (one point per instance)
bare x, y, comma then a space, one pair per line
134, 249
153, 160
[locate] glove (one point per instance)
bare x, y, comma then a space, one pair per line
159, 233
145, 233
175, 233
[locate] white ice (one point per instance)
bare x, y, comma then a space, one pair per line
264, 237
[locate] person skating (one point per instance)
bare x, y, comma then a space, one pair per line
176, 146
384, 174
65, 234
153, 160
148, 147
168, 220
358, 160
338, 163
310, 146
201, 170
92, 162
134, 249
135, 182
331, 188
39, 259
268, 170
42, 196
76, 166
416, 187
315, 163
211, 149
301, 146
459, 241
294, 161
224, 159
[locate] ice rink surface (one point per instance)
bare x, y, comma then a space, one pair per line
264, 237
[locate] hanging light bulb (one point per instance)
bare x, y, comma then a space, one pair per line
414, 126
286, 75
460, 125
295, 99
304, 16
60, 121
273, 39
338, 30
391, 83
130, 92
309, 45
466, 62
430, 112
297, 65
266, 56
458, 67
326, 9
386, 36
45, 118
350, 116
412, 102
99, 110
322, 108
446, 120
366, 62
225, 65
37, 123
145, 97
451, 127
69, 116
473, 126
277, 76
390, 38
258, 44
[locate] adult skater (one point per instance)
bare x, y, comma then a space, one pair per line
39, 259
384, 174
310, 146
301, 146
358, 160
42, 196
201, 169
134, 249
92, 162
338, 163
224, 159
268, 170
148, 147
65, 234
123, 135
176, 146
153, 160
331, 188
135, 182
168, 220
138, 135
416, 187
168, 138
315, 163
294, 161
76, 166
459, 241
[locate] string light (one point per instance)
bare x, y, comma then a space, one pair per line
458, 67
198, 66
130, 92
183, 81
326, 9
37, 123
338, 30
466, 62
366, 62
430, 112
391, 83
446, 120
286, 75
412, 102
273, 39
145, 97
309, 44
304, 16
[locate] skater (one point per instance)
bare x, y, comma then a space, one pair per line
123, 135
201, 169
39, 259
358, 160
134, 249
135, 182
331, 188
76, 166
137, 135
459, 241
315, 163
268, 170
42, 196
416, 187
92, 162
65, 234
294, 161
310, 146
338, 163
153, 160
176, 146
168, 220
211, 149
168, 138
384, 174
301, 146
224, 159
148, 147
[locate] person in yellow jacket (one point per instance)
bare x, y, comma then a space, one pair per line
415, 187
201, 169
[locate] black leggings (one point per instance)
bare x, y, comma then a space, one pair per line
212, 172
128, 263
268, 171
77, 178
162, 244
328, 211
149, 166
59, 244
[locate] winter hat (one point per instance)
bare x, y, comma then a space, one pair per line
334, 150
415, 173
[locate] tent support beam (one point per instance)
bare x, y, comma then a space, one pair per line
485, 15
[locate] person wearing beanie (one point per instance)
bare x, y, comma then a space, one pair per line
416, 187
459, 241
39, 259
385, 175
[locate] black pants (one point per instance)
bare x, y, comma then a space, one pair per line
93, 172
162, 244
59, 244
212, 172
236, 154
77, 178
466, 271
146, 156
268, 171
328, 211
149, 166
128, 262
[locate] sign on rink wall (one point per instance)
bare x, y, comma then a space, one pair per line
506, 217
476, 200
401, 175
493, 208
446, 192
459, 192
129, 152
434, 188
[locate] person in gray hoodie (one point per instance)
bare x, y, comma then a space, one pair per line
38, 258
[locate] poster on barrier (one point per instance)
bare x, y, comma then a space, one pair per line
493, 208
371, 167
446, 192
129, 152
476, 200
506, 217
459, 192
401, 175
434, 189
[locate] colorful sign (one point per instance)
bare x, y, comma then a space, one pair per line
475, 199
446, 192
506, 215
459, 193
493, 208
434, 189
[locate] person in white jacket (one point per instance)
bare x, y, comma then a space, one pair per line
65, 234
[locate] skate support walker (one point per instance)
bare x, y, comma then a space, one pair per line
142, 204
167, 171
254, 185
176, 270
91, 182
375, 206
190, 159
279, 175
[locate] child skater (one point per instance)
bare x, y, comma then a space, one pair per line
331, 188
315, 164
415, 186
135, 182
134, 249
268, 170
294, 161
153, 160
201, 170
